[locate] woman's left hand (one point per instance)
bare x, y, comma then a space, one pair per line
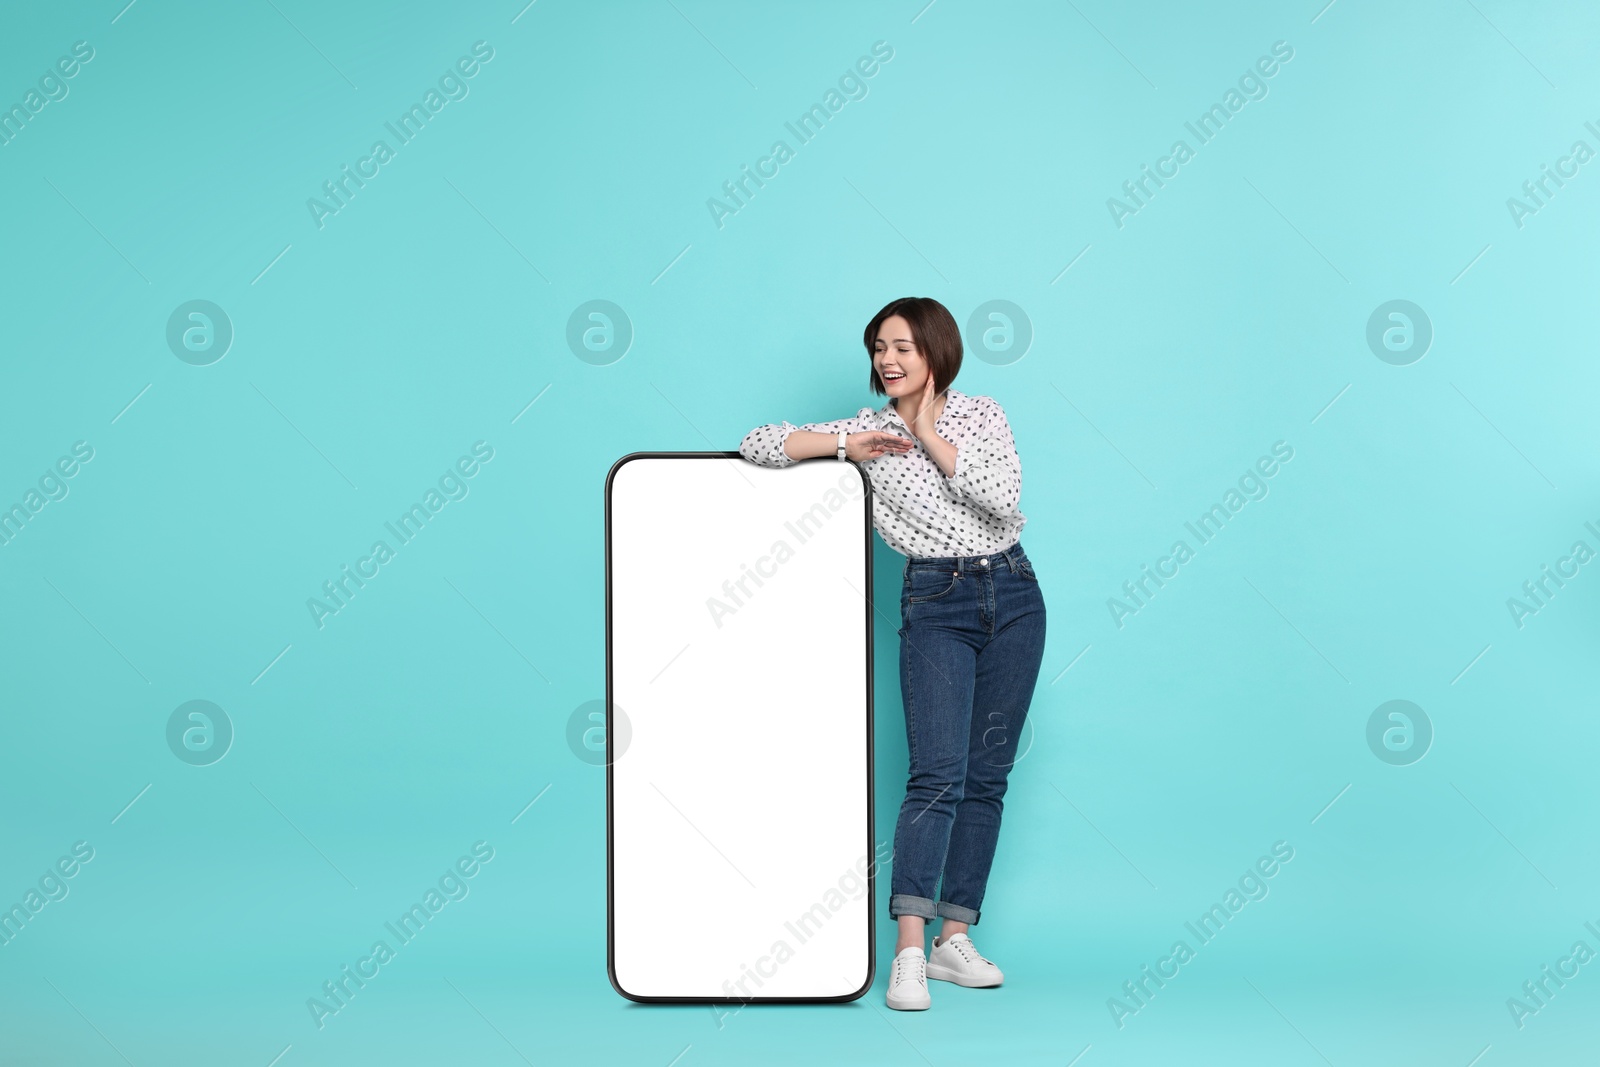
922, 421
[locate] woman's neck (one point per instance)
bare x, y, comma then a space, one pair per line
939, 402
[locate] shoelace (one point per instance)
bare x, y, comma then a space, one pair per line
905, 963
969, 951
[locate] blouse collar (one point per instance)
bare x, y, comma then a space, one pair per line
956, 405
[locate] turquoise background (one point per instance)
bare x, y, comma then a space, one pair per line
431, 311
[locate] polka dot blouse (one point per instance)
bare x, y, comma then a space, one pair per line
917, 510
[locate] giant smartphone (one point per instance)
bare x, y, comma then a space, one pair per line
740, 860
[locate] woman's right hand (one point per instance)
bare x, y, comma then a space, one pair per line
870, 444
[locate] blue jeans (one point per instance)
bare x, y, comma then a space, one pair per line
971, 641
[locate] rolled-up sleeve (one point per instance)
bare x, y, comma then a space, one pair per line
988, 471
763, 445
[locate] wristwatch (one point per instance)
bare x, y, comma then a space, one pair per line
842, 436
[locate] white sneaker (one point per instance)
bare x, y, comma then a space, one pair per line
956, 959
908, 981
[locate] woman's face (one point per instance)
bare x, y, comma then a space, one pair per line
900, 366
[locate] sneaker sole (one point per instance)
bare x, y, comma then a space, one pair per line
904, 1005
944, 974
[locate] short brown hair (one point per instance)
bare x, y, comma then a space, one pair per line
933, 331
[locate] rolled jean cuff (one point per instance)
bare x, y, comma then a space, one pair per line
905, 904
956, 912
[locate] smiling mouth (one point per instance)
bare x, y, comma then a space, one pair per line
892, 377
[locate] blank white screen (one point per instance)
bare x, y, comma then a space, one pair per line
739, 808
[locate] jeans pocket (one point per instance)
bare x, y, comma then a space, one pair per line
924, 584
1025, 568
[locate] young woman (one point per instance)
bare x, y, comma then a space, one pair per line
946, 483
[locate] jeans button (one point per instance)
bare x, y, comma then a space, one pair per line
984, 561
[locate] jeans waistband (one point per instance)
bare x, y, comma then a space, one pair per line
988, 561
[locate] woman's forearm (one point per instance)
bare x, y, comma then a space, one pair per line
807, 444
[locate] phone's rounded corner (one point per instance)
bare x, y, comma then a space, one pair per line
866, 986
615, 467
866, 479
611, 975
